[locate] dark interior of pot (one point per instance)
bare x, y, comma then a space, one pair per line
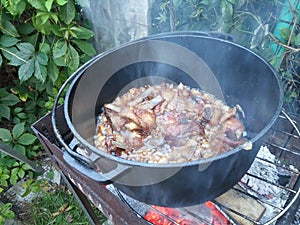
227, 70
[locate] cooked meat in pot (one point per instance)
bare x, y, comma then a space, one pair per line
167, 124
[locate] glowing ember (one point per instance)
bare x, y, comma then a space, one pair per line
217, 217
168, 216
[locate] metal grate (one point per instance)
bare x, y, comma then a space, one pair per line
278, 193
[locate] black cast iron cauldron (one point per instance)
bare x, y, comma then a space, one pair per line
223, 68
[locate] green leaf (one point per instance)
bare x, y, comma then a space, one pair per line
25, 167
8, 53
73, 57
61, 61
4, 111
16, 7
10, 100
21, 173
20, 148
22, 115
13, 179
42, 17
40, 71
285, 33
42, 58
82, 32
3, 92
26, 192
14, 171
30, 106
1, 60
56, 30
26, 51
45, 48
67, 12
8, 28
297, 40
26, 139
85, 47
5, 211
19, 58
5, 135
26, 48
54, 17
18, 110
17, 130
53, 71
8, 41
59, 49
37, 4
26, 28
48, 5
43, 26
4, 176
61, 2
26, 70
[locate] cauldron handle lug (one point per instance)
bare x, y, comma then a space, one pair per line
83, 168
90, 169
115, 173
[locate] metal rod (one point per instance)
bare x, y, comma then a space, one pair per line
82, 200
284, 210
15, 154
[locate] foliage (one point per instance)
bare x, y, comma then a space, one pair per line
18, 138
33, 185
250, 23
44, 38
41, 44
6, 213
6, 100
45, 41
290, 66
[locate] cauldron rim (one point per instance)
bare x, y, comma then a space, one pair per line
85, 143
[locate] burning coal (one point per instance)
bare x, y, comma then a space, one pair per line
169, 216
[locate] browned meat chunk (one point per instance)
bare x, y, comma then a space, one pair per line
167, 123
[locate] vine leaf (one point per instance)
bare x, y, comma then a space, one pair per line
17, 130
26, 70
67, 13
8, 41
4, 111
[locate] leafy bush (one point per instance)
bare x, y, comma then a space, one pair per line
41, 38
42, 42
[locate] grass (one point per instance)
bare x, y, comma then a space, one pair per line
58, 206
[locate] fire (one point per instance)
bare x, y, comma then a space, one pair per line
218, 217
168, 216
156, 217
